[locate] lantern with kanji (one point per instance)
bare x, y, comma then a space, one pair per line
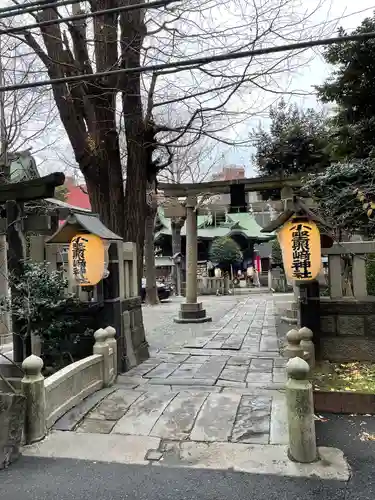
89, 241
87, 259
300, 245
300, 240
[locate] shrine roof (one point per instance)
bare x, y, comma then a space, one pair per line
235, 223
80, 222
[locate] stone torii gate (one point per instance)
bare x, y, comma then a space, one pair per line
192, 311
14, 222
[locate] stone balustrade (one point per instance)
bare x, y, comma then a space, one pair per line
212, 286
48, 399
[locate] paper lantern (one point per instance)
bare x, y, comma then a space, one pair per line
87, 259
300, 245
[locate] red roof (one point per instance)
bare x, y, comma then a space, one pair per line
77, 197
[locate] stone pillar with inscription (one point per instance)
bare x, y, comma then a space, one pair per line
5, 324
191, 311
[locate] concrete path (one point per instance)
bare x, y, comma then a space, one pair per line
214, 399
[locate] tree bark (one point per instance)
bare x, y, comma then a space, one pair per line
150, 268
133, 31
88, 110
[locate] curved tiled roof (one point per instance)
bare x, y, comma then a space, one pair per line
244, 223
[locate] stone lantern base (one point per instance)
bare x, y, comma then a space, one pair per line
192, 312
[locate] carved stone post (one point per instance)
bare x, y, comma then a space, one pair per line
101, 347
32, 386
5, 324
111, 341
191, 311
300, 404
307, 345
293, 348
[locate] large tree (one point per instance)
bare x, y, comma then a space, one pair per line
345, 193
351, 88
296, 142
156, 111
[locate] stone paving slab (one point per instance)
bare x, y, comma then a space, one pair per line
216, 419
178, 419
96, 426
252, 423
143, 414
234, 373
223, 389
96, 447
163, 370
114, 406
278, 422
141, 450
255, 459
70, 420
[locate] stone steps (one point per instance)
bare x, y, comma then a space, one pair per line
140, 450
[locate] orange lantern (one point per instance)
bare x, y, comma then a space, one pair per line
301, 248
87, 259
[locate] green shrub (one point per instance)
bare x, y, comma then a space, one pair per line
41, 306
225, 252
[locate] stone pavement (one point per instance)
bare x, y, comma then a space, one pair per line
211, 399
223, 385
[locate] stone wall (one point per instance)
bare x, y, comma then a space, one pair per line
12, 416
133, 335
347, 329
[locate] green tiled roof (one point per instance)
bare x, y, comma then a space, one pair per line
248, 225
236, 222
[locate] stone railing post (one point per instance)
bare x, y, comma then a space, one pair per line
112, 342
307, 345
32, 387
300, 405
101, 347
293, 348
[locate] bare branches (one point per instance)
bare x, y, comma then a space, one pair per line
213, 99
29, 114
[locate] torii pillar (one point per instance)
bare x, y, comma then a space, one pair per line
191, 311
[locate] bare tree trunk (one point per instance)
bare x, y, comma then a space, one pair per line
139, 154
150, 269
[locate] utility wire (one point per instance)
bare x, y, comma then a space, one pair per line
123, 8
35, 4
192, 63
20, 9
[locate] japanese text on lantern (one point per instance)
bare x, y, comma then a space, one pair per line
79, 260
86, 259
301, 262
301, 249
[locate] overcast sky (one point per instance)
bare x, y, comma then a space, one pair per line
346, 13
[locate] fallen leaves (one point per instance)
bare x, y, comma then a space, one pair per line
319, 418
348, 377
366, 436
